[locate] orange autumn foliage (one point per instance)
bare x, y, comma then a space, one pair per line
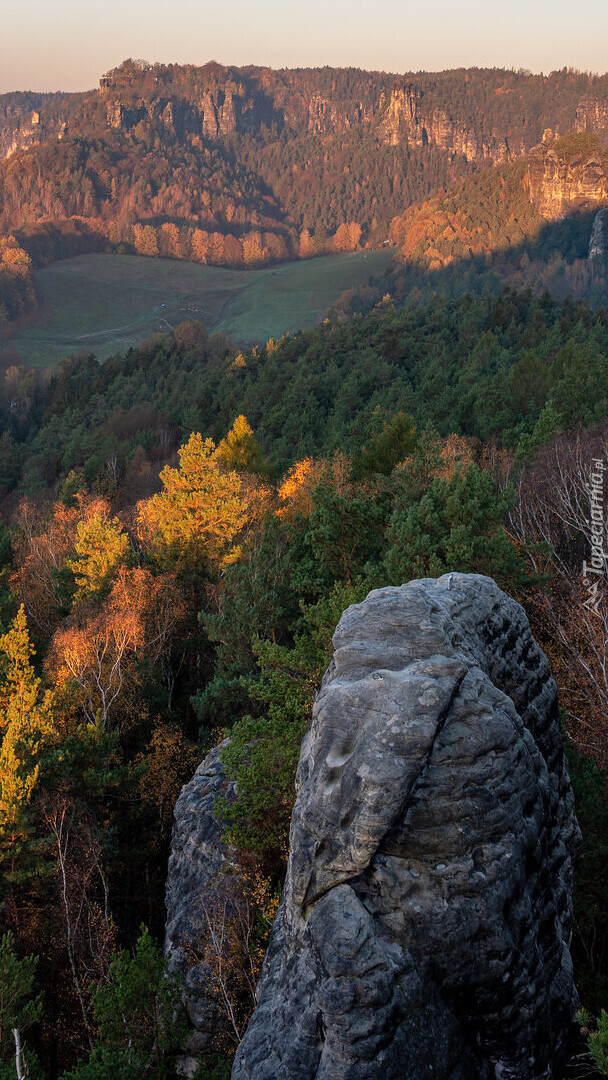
41, 549
94, 655
456, 451
85, 539
295, 494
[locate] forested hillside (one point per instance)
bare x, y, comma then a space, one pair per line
243, 166
183, 528
489, 368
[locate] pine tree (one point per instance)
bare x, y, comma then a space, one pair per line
101, 546
240, 450
195, 521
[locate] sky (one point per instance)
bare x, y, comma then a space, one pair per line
68, 44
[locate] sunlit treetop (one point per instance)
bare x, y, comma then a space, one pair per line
197, 517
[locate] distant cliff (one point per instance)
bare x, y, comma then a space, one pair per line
598, 244
480, 115
508, 207
410, 115
27, 119
568, 175
592, 116
247, 166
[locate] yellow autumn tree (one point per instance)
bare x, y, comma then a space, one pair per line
26, 726
240, 449
169, 240
296, 490
196, 519
307, 244
144, 240
13, 259
102, 546
200, 245
347, 236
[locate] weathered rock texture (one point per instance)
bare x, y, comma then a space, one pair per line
23, 132
561, 184
426, 918
199, 862
592, 115
408, 115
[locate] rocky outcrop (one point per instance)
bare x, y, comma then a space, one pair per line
592, 115
564, 179
322, 116
30, 131
218, 113
326, 117
28, 119
122, 117
598, 244
425, 925
414, 110
199, 863
408, 117
214, 116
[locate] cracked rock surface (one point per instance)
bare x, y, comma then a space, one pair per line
425, 924
199, 862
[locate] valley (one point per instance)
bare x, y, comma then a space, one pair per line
107, 304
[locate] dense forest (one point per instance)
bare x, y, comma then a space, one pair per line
500, 368
183, 528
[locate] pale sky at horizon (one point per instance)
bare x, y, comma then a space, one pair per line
68, 44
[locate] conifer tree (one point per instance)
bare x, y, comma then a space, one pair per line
240, 450
195, 521
101, 546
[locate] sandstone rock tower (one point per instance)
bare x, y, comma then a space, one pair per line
425, 925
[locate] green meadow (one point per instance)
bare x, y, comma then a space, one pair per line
105, 304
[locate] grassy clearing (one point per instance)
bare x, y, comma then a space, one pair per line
107, 303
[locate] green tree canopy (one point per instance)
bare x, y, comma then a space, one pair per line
456, 525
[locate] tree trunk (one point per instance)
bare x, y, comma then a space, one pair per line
21, 1071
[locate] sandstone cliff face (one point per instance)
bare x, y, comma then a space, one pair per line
243, 100
29, 131
325, 117
425, 925
214, 115
592, 116
28, 119
564, 182
218, 113
407, 116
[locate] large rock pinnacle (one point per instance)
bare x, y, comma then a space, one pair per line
425, 925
